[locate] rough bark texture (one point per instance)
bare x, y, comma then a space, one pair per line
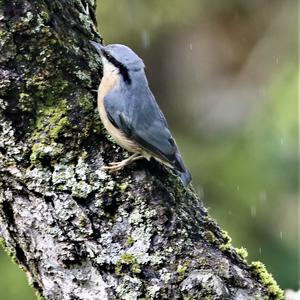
78, 232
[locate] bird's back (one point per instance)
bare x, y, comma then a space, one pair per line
133, 108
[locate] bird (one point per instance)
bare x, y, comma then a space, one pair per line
130, 113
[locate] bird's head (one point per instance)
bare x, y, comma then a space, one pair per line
119, 58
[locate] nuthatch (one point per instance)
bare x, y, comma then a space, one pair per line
130, 113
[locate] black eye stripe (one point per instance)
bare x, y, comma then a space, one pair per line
123, 70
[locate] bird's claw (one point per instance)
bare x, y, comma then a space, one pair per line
113, 167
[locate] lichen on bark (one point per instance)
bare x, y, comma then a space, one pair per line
77, 231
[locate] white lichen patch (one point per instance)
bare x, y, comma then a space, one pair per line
110, 185
101, 174
84, 76
38, 179
211, 283
91, 285
81, 189
135, 217
64, 175
142, 237
81, 169
165, 275
157, 258
7, 140
153, 290
150, 213
111, 254
129, 288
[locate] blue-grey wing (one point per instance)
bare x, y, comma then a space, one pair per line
133, 110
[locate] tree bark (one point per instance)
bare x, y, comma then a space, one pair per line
77, 231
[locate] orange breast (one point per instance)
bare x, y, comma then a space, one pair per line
107, 83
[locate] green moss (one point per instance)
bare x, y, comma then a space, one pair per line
226, 246
50, 89
2, 243
87, 108
209, 236
45, 16
127, 259
242, 252
226, 236
51, 123
86, 103
52, 116
59, 126
267, 280
3, 34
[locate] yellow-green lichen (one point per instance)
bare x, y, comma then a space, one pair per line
181, 270
39, 296
267, 279
130, 241
122, 186
129, 260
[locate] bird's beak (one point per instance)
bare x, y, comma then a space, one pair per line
98, 47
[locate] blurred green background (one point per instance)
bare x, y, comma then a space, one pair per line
225, 73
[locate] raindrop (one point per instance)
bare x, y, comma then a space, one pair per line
259, 250
253, 211
238, 188
191, 46
263, 197
281, 235
281, 141
145, 39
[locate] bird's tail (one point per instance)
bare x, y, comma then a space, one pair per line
185, 177
182, 171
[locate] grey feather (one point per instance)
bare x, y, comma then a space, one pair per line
125, 56
133, 109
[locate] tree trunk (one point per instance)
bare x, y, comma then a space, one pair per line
77, 231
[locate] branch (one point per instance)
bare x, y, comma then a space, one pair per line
78, 232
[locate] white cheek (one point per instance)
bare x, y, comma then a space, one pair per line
109, 68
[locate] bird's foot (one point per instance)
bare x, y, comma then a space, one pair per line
117, 166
